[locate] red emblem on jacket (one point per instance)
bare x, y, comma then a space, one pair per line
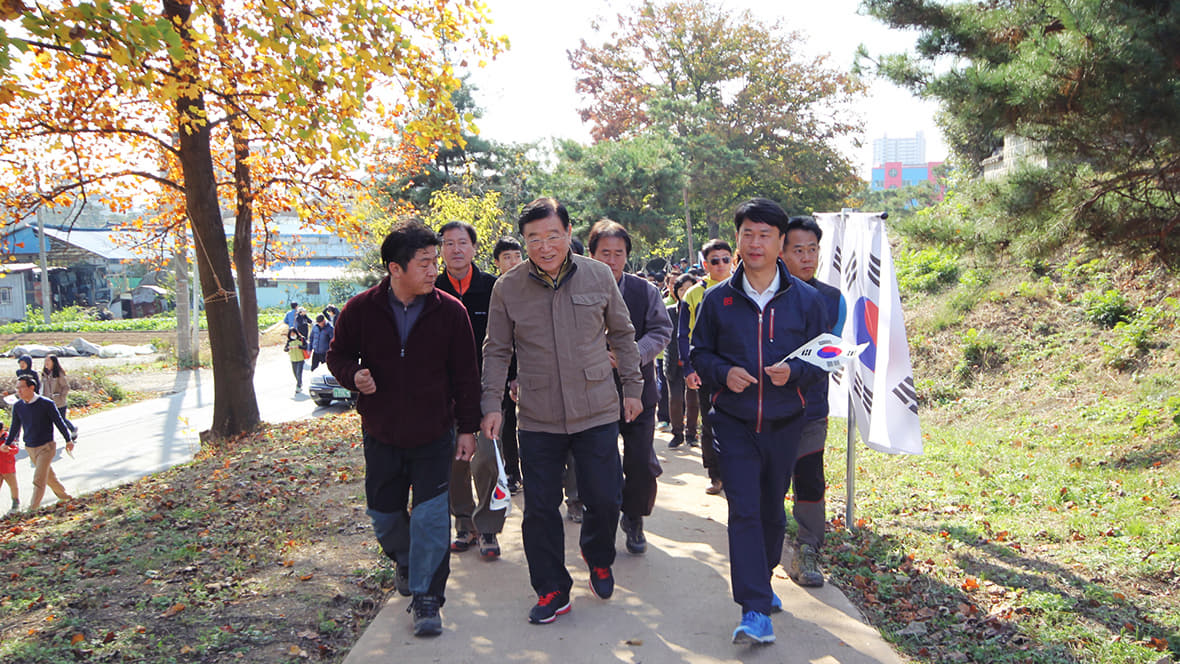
727, 301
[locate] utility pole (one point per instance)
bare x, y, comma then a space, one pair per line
687, 222
46, 295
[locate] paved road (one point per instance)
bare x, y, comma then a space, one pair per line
123, 444
672, 604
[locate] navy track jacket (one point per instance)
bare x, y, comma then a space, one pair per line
731, 331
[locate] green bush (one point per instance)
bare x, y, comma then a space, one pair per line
980, 351
1107, 308
926, 270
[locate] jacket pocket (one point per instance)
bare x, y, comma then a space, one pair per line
601, 393
536, 398
589, 311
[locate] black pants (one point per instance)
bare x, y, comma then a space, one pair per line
508, 439
641, 467
662, 381
599, 472
421, 539
708, 449
682, 406
317, 359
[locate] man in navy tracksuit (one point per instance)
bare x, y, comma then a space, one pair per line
801, 256
745, 326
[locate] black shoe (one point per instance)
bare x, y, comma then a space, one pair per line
602, 581
514, 486
633, 529
401, 580
675, 442
549, 606
426, 619
574, 512
692, 442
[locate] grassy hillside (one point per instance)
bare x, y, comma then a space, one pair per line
1042, 524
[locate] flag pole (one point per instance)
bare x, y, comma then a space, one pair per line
850, 472
850, 476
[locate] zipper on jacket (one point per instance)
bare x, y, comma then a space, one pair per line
758, 369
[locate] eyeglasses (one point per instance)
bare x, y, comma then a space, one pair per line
552, 240
719, 261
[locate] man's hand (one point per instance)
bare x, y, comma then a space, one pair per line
465, 447
738, 379
692, 381
490, 425
632, 408
614, 363
364, 382
70, 446
514, 390
779, 374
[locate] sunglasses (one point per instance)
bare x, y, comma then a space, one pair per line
719, 261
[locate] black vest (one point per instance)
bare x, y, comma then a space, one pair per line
635, 295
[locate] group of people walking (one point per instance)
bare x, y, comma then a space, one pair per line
40, 407
541, 371
307, 341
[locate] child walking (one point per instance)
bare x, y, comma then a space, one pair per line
294, 349
8, 467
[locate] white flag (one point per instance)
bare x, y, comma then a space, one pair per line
501, 498
855, 256
827, 351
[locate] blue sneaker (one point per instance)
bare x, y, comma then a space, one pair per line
776, 604
755, 629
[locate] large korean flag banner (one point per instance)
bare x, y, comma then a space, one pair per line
855, 255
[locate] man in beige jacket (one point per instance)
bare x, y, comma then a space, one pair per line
553, 309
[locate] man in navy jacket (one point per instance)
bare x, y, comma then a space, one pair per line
610, 243
745, 326
407, 348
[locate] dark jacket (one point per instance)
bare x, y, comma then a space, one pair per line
321, 338
37, 419
425, 384
475, 300
731, 331
30, 372
817, 394
653, 331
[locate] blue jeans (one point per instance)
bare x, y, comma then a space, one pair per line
599, 473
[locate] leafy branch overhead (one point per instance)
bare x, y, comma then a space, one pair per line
276, 106
1091, 83
747, 112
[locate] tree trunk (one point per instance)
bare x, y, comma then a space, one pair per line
185, 357
235, 408
244, 244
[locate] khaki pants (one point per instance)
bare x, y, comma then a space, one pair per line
43, 475
473, 513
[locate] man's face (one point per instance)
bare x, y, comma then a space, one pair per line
719, 264
508, 259
24, 391
321, 323
613, 252
759, 244
419, 275
458, 251
548, 242
801, 254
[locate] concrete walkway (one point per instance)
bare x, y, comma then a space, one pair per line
672, 604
